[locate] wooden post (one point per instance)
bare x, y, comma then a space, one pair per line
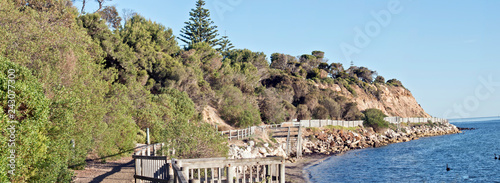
147, 136
269, 176
185, 170
282, 172
137, 168
288, 143
154, 150
170, 169
299, 143
162, 149
176, 176
230, 173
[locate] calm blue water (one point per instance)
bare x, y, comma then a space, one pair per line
469, 155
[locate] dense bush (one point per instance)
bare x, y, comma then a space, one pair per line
375, 118
67, 63
40, 154
186, 134
238, 109
380, 80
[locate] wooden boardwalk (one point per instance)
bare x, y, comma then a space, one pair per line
118, 171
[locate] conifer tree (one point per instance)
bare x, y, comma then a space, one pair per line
200, 28
225, 45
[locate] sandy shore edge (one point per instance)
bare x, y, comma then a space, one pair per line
297, 173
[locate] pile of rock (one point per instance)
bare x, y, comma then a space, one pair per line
250, 150
333, 141
338, 141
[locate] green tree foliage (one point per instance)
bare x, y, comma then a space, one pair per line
379, 79
189, 137
351, 112
303, 112
40, 155
318, 54
320, 112
335, 70
225, 45
375, 118
67, 62
111, 16
288, 63
363, 73
237, 109
394, 82
274, 109
200, 28
333, 108
153, 45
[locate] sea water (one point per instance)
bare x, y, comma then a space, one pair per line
470, 157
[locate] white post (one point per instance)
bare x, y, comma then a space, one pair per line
147, 147
230, 173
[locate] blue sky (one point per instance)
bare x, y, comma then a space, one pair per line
445, 52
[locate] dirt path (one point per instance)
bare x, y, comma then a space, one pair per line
118, 171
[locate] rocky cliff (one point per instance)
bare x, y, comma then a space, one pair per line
392, 100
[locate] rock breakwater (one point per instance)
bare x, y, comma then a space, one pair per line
333, 140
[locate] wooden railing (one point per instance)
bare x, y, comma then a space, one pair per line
151, 165
147, 149
178, 176
269, 169
151, 168
324, 122
396, 120
239, 134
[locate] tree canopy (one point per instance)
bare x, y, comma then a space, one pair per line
200, 28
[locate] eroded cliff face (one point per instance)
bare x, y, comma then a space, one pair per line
392, 100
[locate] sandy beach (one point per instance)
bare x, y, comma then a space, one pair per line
295, 172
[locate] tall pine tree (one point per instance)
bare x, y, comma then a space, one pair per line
200, 28
225, 45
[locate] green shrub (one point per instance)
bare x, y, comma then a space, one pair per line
183, 132
395, 82
40, 154
238, 109
375, 118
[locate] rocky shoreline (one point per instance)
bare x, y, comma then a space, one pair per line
334, 141
319, 143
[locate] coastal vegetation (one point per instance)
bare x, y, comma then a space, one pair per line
375, 118
90, 84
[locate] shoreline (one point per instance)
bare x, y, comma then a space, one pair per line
296, 172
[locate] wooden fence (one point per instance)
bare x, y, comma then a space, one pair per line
239, 134
293, 136
269, 169
397, 120
151, 165
247, 132
324, 122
